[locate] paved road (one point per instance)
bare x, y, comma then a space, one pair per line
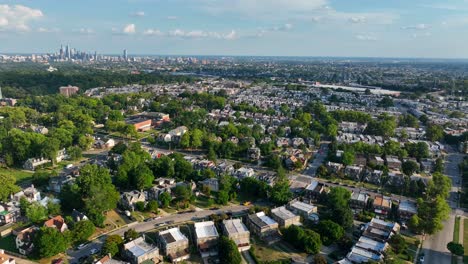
320, 156
435, 246
74, 255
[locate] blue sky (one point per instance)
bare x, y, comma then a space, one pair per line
357, 28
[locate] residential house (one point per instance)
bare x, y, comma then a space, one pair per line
140, 124
129, 199
359, 200
353, 172
314, 190
5, 259
360, 160
242, 173
161, 185
334, 167
31, 194
254, 153
32, 163
382, 205
57, 222
359, 255
56, 184
238, 232
376, 160
393, 163
373, 176
207, 238
61, 155
380, 230
264, 227
138, 251
174, 244
211, 183
406, 209
109, 260
78, 216
178, 132
6, 217
303, 209
284, 217
24, 240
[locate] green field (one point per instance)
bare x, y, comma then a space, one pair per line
465, 240
20, 175
8, 243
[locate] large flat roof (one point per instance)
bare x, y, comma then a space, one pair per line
206, 229
235, 226
139, 247
283, 213
172, 235
303, 206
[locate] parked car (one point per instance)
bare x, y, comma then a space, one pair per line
81, 246
94, 251
421, 259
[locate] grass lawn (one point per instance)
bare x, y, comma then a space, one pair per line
8, 243
113, 220
275, 252
20, 175
465, 240
456, 230
202, 202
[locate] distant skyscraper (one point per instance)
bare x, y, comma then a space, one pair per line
1, 95
125, 57
68, 52
61, 52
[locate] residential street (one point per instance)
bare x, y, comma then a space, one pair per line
74, 255
435, 246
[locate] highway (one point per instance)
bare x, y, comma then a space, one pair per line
435, 246
75, 255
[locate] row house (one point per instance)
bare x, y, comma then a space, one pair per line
284, 217
264, 227
206, 236
359, 200
174, 244
406, 209
354, 172
238, 232
382, 205
306, 210
139, 251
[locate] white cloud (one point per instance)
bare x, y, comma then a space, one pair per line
153, 32
193, 34
365, 37
48, 30
138, 14
84, 31
17, 17
416, 27
129, 29
422, 35
357, 19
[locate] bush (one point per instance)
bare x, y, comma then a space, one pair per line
140, 206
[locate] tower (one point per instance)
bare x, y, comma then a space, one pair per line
67, 51
1, 95
125, 55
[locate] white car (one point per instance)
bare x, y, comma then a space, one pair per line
94, 251
81, 246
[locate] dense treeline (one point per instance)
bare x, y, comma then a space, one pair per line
18, 84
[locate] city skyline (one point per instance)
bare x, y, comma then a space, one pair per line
315, 28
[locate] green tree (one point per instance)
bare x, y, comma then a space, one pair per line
348, 157
228, 251
165, 199
49, 242
74, 152
140, 206
409, 167
53, 208
196, 138
456, 248
8, 186
185, 141
398, 243
329, 231
280, 193
338, 207
319, 259
434, 132
83, 230
36, 213
131, 234
152, 206
112, 245
223, 197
